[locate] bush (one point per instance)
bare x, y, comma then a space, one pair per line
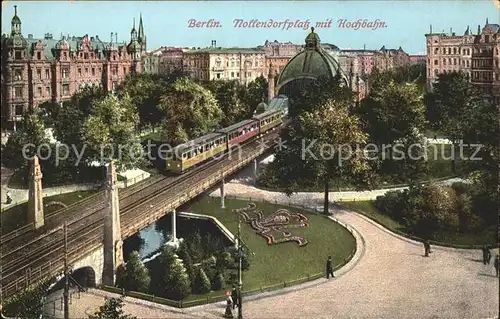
202, 284
209, 267
177, 281
133, 276
218, 281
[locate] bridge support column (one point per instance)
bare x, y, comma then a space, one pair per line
174, 241
113, 252
35, 199
255, 170
222, 194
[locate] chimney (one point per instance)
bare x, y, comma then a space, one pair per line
111, 37
116, 37
214, 43
91, 39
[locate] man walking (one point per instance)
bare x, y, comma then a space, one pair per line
329, 268
496, 264
485, 254
488, 255
234, 295
427, 248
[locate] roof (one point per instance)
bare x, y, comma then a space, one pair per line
225, 50
74, 43
235, 126
280, 101
266, 113
194, 143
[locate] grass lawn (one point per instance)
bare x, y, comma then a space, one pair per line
16, 217
275, 264
367, 208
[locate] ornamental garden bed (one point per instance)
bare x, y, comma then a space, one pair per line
274, 264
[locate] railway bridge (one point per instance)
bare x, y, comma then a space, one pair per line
93, 237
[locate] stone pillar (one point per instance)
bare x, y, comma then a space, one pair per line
113, 252
222, 194
255, 170
174, 226
35, 199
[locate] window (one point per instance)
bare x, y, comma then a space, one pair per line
454, 61
18, 75
47, 73
39, 55
93, 71
65, 54
86, 71
124, 70
249, 74
65, 89
80, 71
39, 73
232, 63
39, 91
454, 50
467, 63
65, 73
86, 56
19, 110
238, 74
436, 62
486, 38
115, 70
444, 61
232, 74
218, 75
435, 72
47, 91
18, 55
18, 92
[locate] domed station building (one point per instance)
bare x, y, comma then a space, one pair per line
307, 66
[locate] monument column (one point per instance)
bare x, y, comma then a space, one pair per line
222, 194
35, 199
113, 252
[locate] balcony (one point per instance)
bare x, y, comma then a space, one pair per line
218, 69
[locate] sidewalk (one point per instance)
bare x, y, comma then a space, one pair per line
19, 196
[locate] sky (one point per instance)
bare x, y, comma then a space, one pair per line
166, 23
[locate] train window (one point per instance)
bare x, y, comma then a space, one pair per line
184, 155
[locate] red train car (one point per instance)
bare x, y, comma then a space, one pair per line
240, 132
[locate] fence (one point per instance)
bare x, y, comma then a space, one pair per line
207, 300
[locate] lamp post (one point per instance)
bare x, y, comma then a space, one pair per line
240, 283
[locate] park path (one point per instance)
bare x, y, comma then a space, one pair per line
19, 196
390, 279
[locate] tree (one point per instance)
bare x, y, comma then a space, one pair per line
218, 282
190, 111
256, 93
109, 131
394, 115
202, 284
28, 303
230, 96
177, 281
112, 309
321, 141
135, 276
32, 133
452, 99
183, 253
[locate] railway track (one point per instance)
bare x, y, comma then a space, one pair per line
90, 226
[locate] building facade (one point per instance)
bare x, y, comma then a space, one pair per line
477, 55
215, 63
38, 70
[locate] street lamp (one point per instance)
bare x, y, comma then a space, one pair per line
240, 283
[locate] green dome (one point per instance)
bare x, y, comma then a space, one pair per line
16, 19
308, 65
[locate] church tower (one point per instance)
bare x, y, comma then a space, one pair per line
141, 37
134, 49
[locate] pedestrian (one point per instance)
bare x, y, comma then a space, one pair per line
485, 253
496, 264
488, 255
329, 268
229, 303
234, 296
427, 248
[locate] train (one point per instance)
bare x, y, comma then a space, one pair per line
187, 155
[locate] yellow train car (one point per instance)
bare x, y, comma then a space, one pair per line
269, 119
187, 155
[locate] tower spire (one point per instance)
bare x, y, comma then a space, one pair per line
430, 29
141, 28
487, 21
15, 10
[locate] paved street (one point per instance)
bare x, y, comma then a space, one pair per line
392, 279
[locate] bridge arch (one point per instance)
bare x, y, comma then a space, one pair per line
85, 277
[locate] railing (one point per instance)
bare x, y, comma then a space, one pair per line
94, 241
